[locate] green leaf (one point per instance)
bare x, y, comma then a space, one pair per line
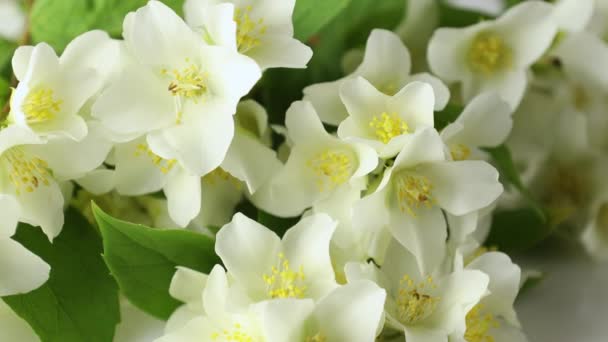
448, 115
143, 260
503, 161
5, 91
80, 300
310, 16
517, 229
58, 22
6, 54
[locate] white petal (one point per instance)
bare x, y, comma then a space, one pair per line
98, 181
217, 20
447, 50
510, 86
424, 235
325, 97
220, 197
352, 312
280, 51
303, 124
135, 172
183, 191
248, 250
92, 50
465, 186
573, 15
504, 283
187, 285
362, 100
215, 294
9, 216
251, 161
416, 101
440, 90
22, 271
425, 146
386, 59
43, 207
21, 60
284, 319
577, 50
306, 245
528, 29
13, 327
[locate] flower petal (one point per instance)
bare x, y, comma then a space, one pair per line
22, 271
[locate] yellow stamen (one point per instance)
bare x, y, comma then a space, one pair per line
489, 53
332, 168
40, 106
248, 30
220, 175
413, 191
236, 334
387, 126
460, 152
25, 172
414, 302
189, 83
479, 325
283, 282
165, 165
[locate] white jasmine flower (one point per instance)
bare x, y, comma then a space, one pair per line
256, 322
485, 122
573, 15
12, 20
177, 86
494, 55
140, 171
381, 121
266, 267
319, 164
386, 66
53, 90
21, 270
420, 184
25, 175
260, 29
427, 306
494, 318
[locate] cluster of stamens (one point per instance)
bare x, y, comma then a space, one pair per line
188, 83
387, 126
283, 282
479, 325
413, 191
26, 173
40, 106
460, 152
489, 54
236, 334
248, 30
165, 165
332, 168
414, 303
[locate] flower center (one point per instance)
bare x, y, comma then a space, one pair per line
318, 337
236, 334
413, 191
460, 152
41, 106
248, 31
567, 187
387, 126
332, 168
488, 53
479, 325
219, 175
414, 303
283, 282
188, 83
165, 165
25, 172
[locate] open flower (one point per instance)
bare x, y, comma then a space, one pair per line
318, 165
180, 90
414, 191
386, 66
485, 122
266, 267
494, 318
53, 90
381, 121
494, 55
260, 29
21, 271
427, 306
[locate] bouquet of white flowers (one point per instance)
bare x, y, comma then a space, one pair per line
293, 171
